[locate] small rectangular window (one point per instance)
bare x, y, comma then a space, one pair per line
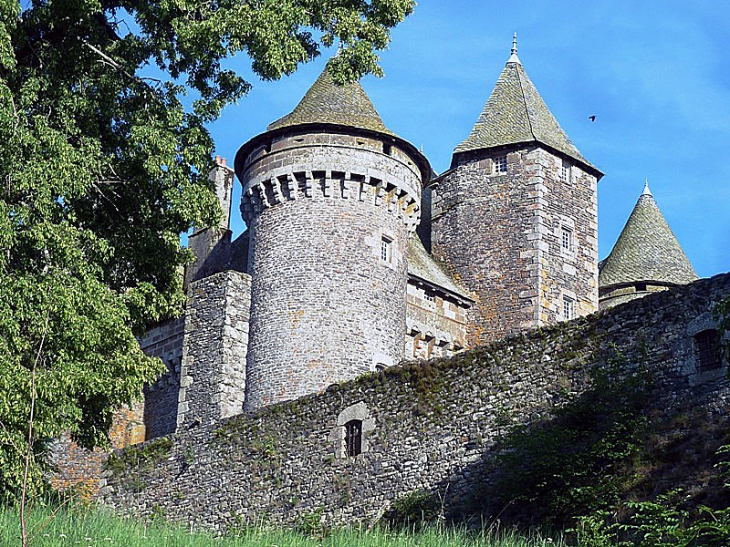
565, 171
353, 437
708, 350
567, 239
386, 249
568, 308
500, 165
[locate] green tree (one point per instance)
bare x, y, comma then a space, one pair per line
101, 169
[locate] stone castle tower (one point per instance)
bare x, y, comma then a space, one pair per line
330, 198
516, 215
349, 264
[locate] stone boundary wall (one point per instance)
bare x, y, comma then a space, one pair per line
427, 426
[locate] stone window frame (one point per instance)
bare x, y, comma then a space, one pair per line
707, 347
386, 249
567, 239
698, 375
568, 312
565, 224
353, 438
566, 168
499, 165
338, 435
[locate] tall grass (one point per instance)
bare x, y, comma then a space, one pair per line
85, 528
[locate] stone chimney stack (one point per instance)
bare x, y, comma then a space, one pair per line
208, 244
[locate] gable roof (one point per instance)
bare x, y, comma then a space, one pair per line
646, 250
515, 113
327, 102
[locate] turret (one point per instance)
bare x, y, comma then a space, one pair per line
330, 197
515, 218
646, 257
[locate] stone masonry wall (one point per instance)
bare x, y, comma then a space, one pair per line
436, 325
79, 470
329, 215
501, 235
427, 426
568, 206
213, 376
160, 399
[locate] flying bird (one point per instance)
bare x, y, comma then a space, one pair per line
592, 118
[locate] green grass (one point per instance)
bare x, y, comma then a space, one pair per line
94, 528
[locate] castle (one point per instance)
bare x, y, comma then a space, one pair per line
358, 256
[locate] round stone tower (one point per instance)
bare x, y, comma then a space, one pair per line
330, 197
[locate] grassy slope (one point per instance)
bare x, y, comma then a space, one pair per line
94, 528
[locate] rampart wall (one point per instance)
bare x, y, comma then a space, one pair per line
426, 426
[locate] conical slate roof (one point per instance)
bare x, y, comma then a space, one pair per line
515, 113
646, 250
326, 102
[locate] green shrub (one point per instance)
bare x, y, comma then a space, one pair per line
570, 465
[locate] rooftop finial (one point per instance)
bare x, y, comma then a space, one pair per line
646, 191
513, 57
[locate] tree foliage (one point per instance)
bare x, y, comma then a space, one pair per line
102, 167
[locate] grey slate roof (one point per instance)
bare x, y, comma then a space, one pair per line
423, 266
515, 113
326, 102
646, 250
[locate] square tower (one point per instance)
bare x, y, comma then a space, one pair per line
516, 216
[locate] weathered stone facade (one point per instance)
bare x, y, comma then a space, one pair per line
160, 399
430, 427
330, 215
213, 375
502, 234
331, 282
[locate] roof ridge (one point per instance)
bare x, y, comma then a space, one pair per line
531, 125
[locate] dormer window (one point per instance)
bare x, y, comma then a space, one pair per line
500, 165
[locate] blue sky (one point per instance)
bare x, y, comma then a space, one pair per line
655, 74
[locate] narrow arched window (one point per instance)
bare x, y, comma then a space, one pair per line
353, 437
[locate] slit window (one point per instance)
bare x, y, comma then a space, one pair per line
386, 249
353, 438
708, 350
